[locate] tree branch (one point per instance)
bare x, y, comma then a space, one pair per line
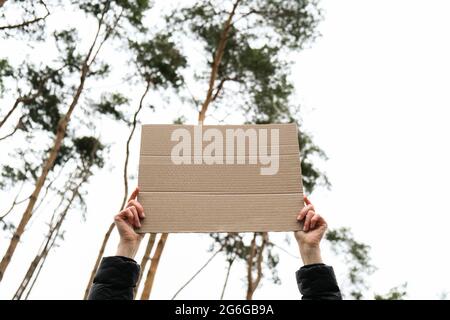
25, 23
197, 273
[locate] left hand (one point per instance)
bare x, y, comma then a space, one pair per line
126, 221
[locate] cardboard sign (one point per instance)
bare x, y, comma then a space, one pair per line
220, 178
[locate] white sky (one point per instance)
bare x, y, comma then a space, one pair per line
375, 95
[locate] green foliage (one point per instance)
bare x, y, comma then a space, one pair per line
396, 293
292, 23
236, 247
13, 174
356, 257
23, 170
5, 71
89, 149
66, 41
109, 10
41, 105
31, 22
179, 120
110, 105
158, 61
311, 175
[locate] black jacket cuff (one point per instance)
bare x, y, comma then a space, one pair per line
117, 271
318, 281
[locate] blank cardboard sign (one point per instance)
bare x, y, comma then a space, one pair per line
220, 178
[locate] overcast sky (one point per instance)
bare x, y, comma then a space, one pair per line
374, 91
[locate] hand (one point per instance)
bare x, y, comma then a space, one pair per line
314, 227
126, 221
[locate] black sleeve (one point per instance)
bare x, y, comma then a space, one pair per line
318, 282
115, 279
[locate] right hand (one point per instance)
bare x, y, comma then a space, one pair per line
314, 226
308, 239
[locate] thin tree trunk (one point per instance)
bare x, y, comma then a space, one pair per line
49, 162
52, 233
125, 182
99, 258
255, 250
230, 263
130, 137
144, 261
197, 273
250, 268
44, 258
153, 267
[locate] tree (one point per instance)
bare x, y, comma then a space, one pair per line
113, 18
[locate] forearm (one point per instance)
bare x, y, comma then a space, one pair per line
128, 248
310, 254
315, 279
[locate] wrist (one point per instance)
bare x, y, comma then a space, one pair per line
128, 248
310, 254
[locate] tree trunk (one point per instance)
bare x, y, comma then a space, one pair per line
153, 267
99, 258
216, 63
144, 261
255, 250
48, 243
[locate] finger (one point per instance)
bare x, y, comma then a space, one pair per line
122, 215
305, 198
136, 221
304, 211
134, 194
130, 216
307, 223
138, 206
316, 220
